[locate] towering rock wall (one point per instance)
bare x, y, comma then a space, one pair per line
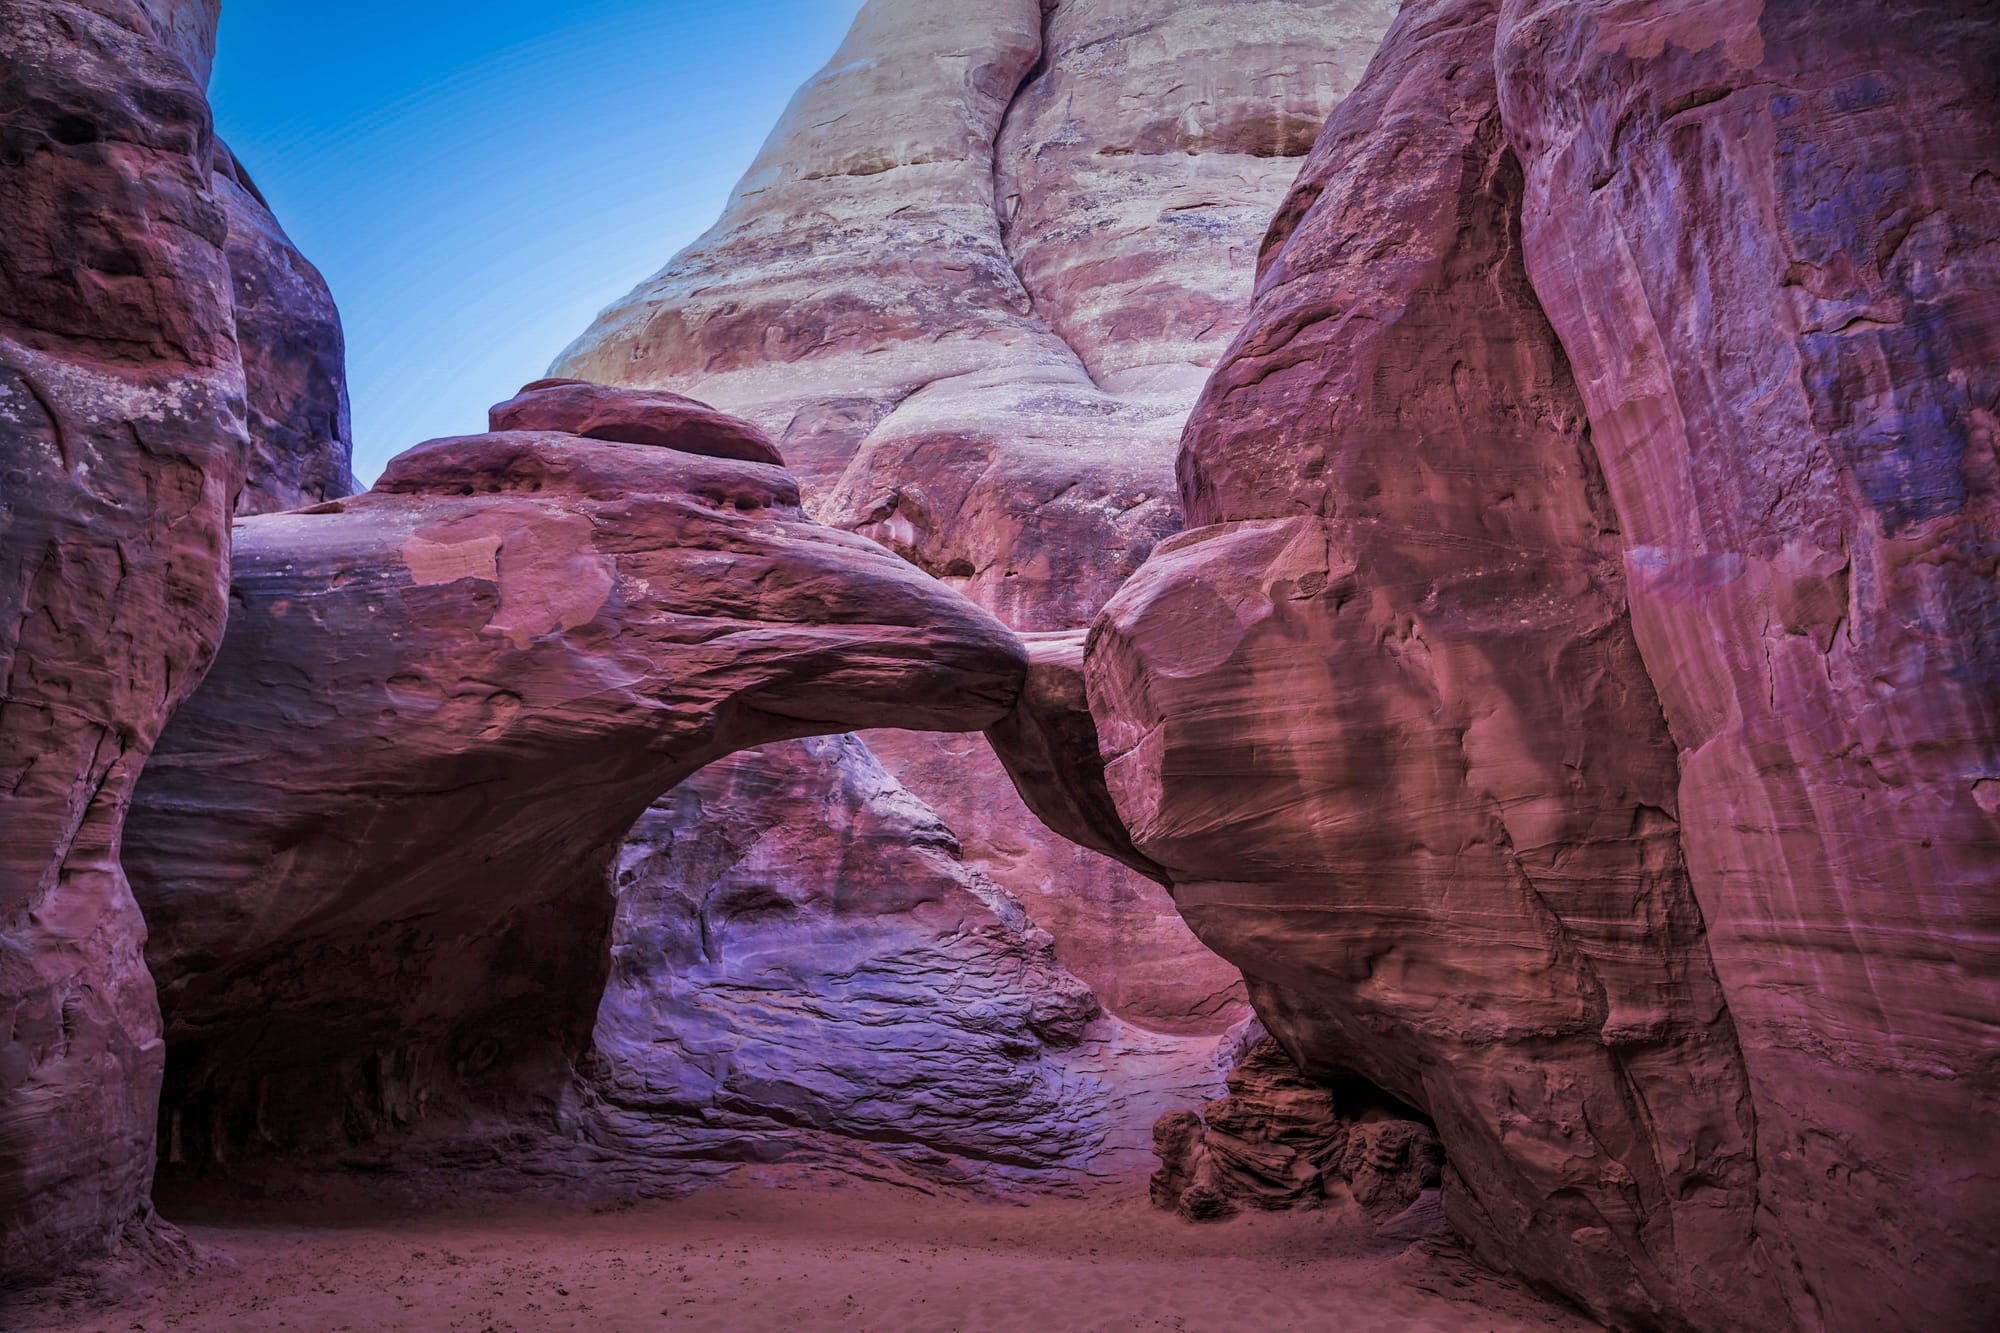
1575, 704
121, 402
1381, 714
127, 422
294, 357
978, 272
123, 445
1769, 236
972, 284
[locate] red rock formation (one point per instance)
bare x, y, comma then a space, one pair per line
122, 448
1575, 708
294, 357
1769, 236
374, 850
634, 417
1052, 754
1383, 720
976, 318
1281, 1140
1391, 731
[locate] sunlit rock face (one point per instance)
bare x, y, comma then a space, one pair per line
1573, 701
149, 308
374, 851
972, 285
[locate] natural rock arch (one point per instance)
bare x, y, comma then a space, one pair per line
373, 851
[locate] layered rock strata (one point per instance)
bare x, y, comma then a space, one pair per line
975, 315
1601, 346
375, 849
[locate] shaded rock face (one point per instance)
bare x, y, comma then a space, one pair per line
1791, 361
1052, 753
1572, 703
122, 447
166, 358
900, 998
975, 318
1280, 1140
375, 849
294, 357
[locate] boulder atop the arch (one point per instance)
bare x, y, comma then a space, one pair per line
634, 416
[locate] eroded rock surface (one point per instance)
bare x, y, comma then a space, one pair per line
122, 447
375, 849
1791, 361
166, 357
975, 318
1382, 717
1280, 1140
294, 357
799, 963
1600, 346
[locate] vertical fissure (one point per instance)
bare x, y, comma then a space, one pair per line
1003, 212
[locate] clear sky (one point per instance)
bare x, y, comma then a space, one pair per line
478, 178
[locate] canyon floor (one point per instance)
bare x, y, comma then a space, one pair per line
747, 1256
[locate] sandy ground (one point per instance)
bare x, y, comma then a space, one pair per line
748, 1257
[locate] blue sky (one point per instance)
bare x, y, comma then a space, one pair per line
477, 180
